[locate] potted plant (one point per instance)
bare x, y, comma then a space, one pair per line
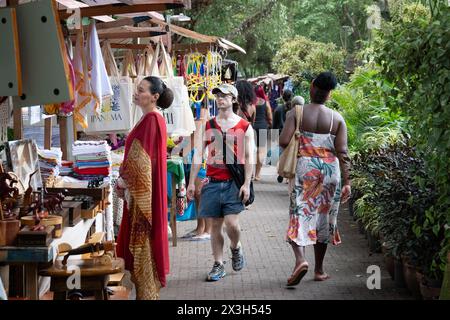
445, 290
388, 258
430, 231
409, 274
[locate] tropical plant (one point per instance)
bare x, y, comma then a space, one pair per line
414, 58
303, 59
364, 102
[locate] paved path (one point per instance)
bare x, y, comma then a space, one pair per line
270, 259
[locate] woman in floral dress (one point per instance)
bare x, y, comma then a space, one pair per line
322, 162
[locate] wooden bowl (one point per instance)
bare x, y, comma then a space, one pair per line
51, 220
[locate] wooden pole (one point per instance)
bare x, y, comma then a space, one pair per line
132, 46
63, 136
67, 135
18, 124
48, 133
122, 8
2, 217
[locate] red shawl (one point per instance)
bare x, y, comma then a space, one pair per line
144, 170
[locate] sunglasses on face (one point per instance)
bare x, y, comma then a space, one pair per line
222, 95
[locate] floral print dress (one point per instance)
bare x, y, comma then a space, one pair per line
315, 198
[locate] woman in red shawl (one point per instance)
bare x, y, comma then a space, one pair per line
142, 241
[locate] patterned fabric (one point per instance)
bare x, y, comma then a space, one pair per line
138, 172
117, 205
314, 201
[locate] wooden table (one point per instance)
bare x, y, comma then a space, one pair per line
93, 276
30, 258
100, 194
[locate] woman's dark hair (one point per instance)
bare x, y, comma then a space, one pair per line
246, 94
287, 97
323, 84
165, 94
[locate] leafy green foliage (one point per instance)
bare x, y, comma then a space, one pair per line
262, 27
414, 58
303, 59
395, 192
365, 102
342, 22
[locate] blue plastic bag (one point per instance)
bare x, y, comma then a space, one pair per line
189, 214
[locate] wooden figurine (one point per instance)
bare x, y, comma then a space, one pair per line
8, 194
105, 258
28, 196
8, 190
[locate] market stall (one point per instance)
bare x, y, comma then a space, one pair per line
59, 197
53, 198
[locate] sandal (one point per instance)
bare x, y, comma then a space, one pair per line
298, 275
190, 234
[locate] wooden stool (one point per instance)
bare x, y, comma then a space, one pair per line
93, 277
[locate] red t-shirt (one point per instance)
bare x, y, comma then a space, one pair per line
215, 166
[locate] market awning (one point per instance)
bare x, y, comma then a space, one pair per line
268, 78
224, 43
96, 8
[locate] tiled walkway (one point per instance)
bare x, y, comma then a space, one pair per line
270, 259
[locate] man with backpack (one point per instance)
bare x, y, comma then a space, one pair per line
229, 167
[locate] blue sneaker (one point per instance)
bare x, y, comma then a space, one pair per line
237, 258
217, 272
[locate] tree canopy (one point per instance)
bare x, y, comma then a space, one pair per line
261, 27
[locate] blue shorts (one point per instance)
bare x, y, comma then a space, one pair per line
219, 199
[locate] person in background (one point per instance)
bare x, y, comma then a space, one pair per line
263, 122
322, 161
143, 240
279, 116
273, 96
203, 230
246, 99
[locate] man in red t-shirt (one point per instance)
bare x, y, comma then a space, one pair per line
221, 200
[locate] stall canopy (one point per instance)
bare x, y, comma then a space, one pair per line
268, 78
103, 9
139, 19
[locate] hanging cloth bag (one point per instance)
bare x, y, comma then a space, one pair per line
179, 117
114, 115
287, 164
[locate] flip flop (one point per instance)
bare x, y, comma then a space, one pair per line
189, 235
203, 237
298, 275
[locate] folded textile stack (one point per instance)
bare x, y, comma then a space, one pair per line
66, 168
92, 160
49, 163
